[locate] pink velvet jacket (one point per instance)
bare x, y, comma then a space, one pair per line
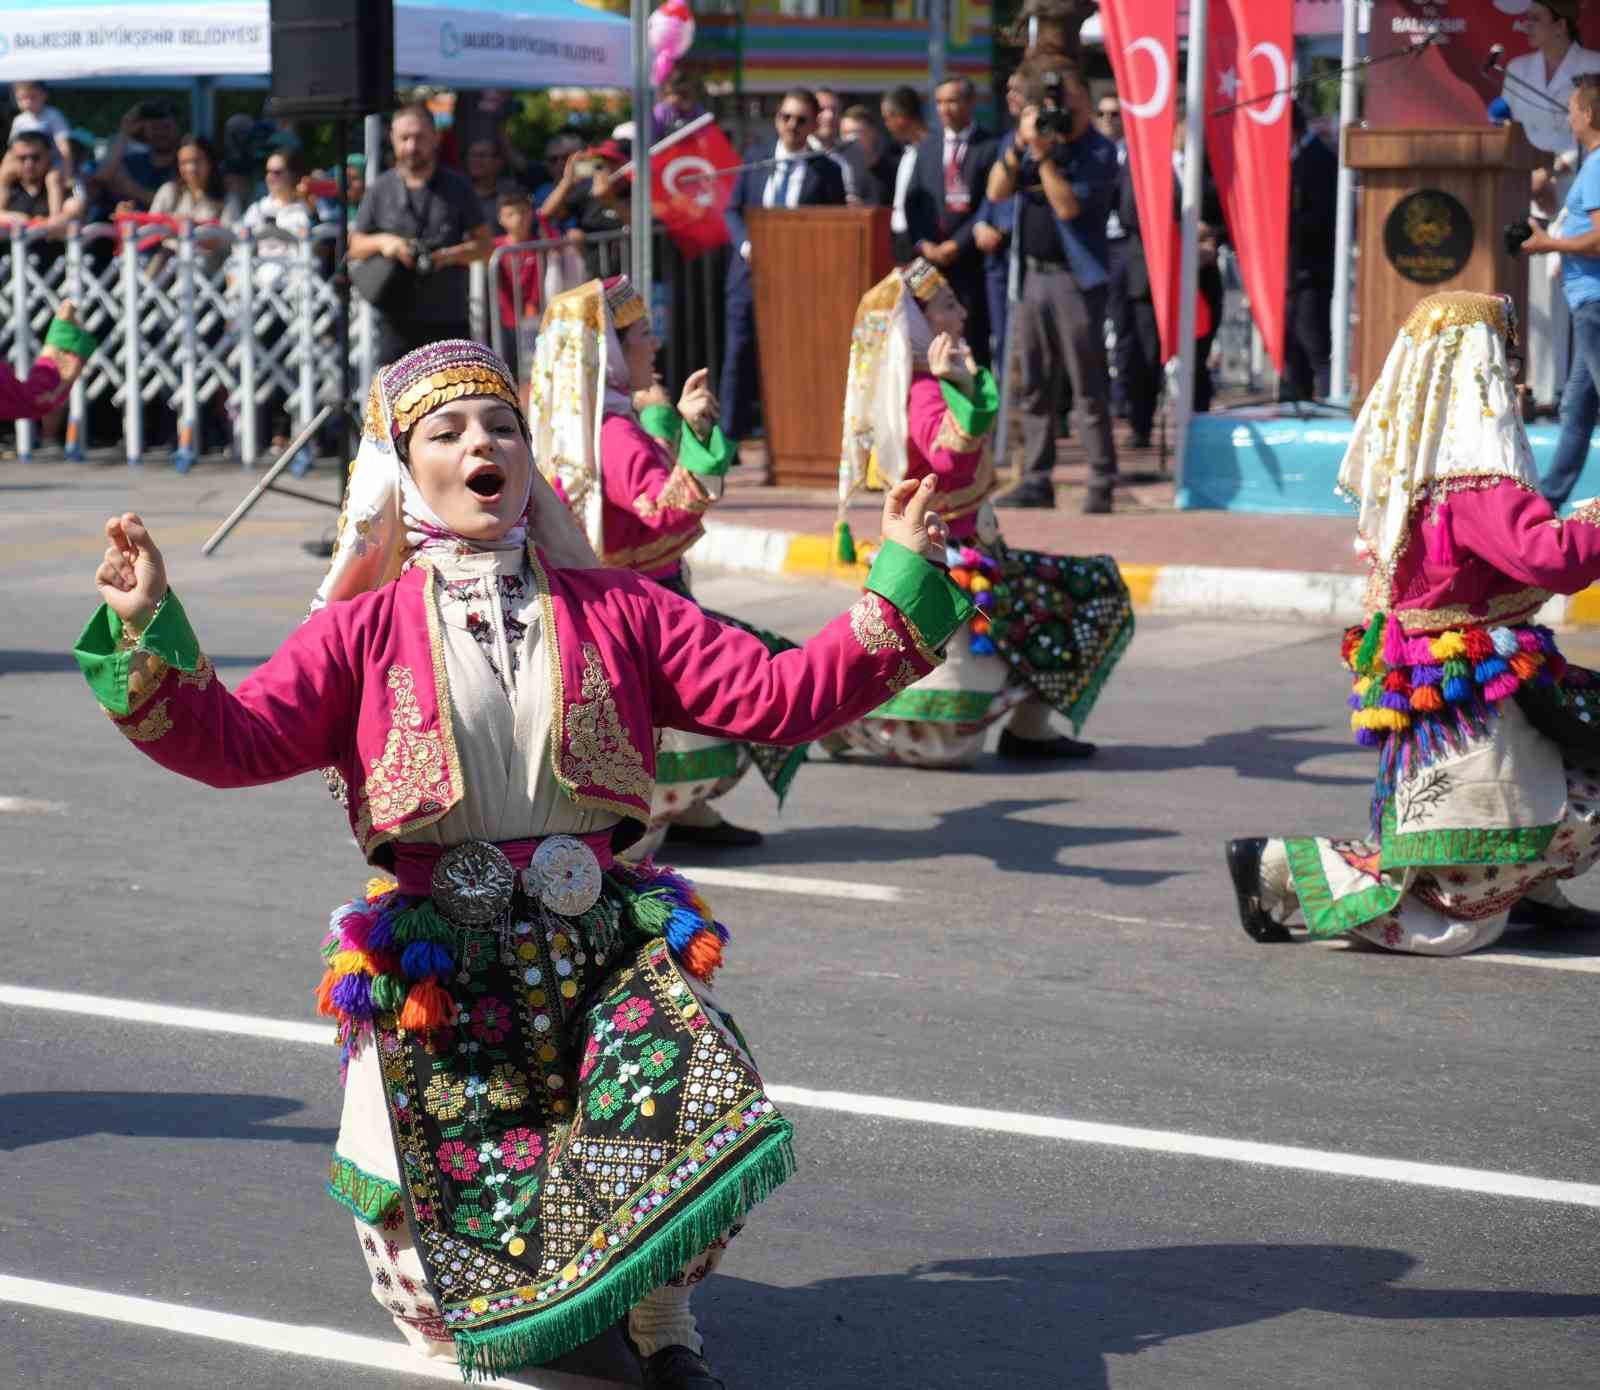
936, 443
653, 510
361, 687
1490, 552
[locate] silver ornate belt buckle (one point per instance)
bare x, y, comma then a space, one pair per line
472, 883
564, 875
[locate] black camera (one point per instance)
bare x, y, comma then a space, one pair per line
1515, 234
1053, 117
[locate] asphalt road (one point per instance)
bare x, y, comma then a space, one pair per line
1060, 944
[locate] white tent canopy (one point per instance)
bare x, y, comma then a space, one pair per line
451, 43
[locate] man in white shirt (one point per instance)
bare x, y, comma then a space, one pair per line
952, 172
1554, 60
902, 118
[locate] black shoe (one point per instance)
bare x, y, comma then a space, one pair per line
1244, 867
1567, 917
1136, 441
724, 834
1043, 750
678, 1368
1027, 496
1097, 503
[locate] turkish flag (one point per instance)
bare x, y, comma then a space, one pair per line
689, 191
1249, 44
1142, 42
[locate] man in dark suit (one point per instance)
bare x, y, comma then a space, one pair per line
1313, 183
952, 169
787, 177
1133, 313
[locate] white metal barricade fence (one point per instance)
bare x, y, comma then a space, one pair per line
209, 325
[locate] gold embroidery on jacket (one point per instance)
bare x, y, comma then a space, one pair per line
656, 554
871, 628
599, 752
905, 676
201, 676
146, 671
681, 492
412, 773
953, 439
153, 726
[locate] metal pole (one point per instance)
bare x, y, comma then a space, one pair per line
189, 422
1344, 224
341, 283
270, 483
936, 46
22, 342
132, 347
643, 133
1194, 163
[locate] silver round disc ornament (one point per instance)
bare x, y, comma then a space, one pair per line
564, 875
472, 883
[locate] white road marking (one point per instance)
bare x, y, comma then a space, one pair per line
1540, 960
791, 883
1323, 1161
167, 1015
290, 1339
27, 806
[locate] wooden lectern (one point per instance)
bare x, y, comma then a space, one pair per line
811, 267
1434, 205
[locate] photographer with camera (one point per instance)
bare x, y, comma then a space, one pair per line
420, 226
1065, 171
1575, 237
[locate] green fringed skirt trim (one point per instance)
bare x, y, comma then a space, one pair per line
369, 1197
542, 1336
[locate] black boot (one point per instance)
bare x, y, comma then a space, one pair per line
1548, 917
678, 1368
1244, 867
1042, 750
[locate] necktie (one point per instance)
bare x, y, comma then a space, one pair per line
956, 197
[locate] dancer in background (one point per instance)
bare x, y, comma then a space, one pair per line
640, 480
549, 1122
1049, 628
1488, 762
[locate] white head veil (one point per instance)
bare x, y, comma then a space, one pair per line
385, 518
1443, 412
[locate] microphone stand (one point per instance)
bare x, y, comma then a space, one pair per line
1494, 65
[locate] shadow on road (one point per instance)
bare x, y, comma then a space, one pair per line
44, 1117
1267, 752
1052, 1320
991, 829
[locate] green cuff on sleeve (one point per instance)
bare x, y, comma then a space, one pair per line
710, 459
662, 422
928, 599
71, 337
974, 415
104, 660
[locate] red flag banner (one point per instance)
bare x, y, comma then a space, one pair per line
1250, 44
1142, 43
689, 193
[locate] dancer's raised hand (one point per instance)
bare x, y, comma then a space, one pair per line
132, 578
906, 519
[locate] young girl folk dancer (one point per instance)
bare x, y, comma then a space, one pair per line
1485, 795
1049, 628
549, 1123
640, 475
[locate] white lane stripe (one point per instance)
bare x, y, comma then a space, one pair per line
136, 1011
790, 883
28, 806
318, 1343
922, 1112
1494, 1184
1540, 960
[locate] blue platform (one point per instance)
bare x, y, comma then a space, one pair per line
1275, 458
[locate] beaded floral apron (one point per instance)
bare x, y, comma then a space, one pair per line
576, 1132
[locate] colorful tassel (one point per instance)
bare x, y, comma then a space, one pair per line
1394, 642
427, 1008
1427, 699
703, 955
1367, 653
388, 993
325, 994
352, 997
844, 544
424, 958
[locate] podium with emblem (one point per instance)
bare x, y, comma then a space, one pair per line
1434, 207
811, 266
